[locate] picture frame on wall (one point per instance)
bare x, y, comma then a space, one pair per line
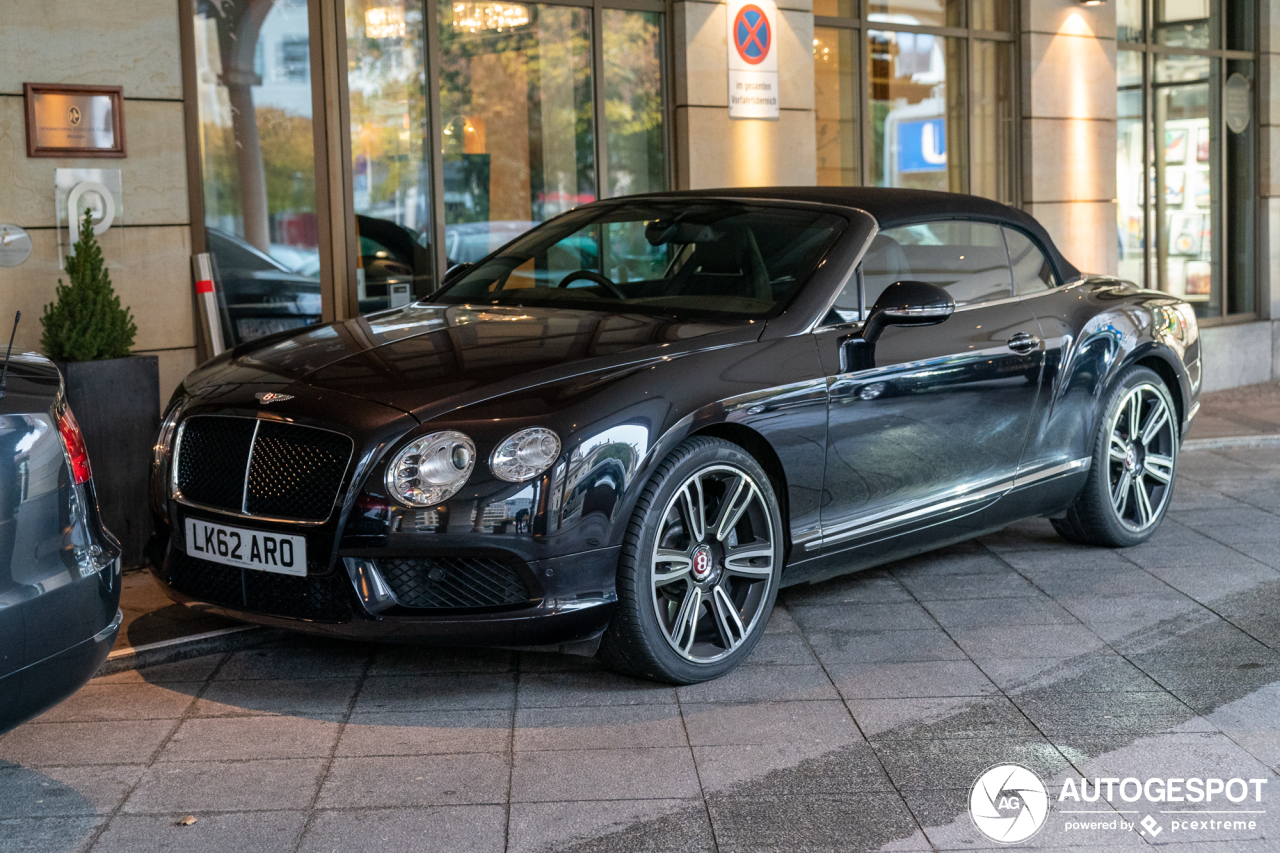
1201, 189
1202, 145
1175, 146
1175, 186
1197, 280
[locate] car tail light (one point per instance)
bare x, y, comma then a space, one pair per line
73, 441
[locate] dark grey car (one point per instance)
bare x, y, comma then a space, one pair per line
59, 567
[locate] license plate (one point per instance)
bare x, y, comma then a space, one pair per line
248, 549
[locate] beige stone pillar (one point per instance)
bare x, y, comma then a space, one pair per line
713, 150
1068, 79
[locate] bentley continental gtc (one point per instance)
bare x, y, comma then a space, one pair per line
629, 427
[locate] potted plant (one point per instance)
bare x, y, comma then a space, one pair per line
115, 395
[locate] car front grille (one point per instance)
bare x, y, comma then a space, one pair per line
293, 471
453, 582
323, 599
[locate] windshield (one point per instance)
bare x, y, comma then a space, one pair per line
687, 259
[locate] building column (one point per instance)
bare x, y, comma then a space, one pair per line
1068, 80
713, 150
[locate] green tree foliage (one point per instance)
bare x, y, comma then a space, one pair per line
85, 321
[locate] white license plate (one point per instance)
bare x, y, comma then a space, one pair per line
248, 549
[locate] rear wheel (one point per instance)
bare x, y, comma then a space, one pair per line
1134, 462
699, 569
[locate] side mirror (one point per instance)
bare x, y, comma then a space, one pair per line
908, 303
903, 303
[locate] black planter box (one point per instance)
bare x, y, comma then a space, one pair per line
117, 404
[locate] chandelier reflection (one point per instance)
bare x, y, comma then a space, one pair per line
475, 15
384, 22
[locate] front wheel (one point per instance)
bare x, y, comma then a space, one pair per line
699, 569
1134, 461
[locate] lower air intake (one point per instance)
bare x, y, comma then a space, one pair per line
453, 582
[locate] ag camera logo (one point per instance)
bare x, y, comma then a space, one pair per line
1008, 803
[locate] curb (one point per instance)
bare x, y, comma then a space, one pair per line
192, 646
1231, 441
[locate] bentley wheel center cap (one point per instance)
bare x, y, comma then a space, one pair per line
701, 562
1131, 458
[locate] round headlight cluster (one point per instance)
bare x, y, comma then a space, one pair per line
525, 454
431, 469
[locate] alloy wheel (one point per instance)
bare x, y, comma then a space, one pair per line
1141, 457
713, 563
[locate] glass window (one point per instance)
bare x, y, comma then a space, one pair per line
935, 13
835, 90
390, 166
707, 259
633, 102
991, 15
1186, 173
1131, 180
1032, 272
1186, 23
917, 117
257, 162
518, 120
1184, 187
967, 259
991, 96
1129, 20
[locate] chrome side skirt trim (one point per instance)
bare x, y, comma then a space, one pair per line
960, 498
1032, 477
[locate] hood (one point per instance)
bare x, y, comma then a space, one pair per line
429, 358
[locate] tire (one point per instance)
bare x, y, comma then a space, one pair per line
1131, 476
695, 610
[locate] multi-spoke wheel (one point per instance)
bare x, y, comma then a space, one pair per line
699, 570
1131, 479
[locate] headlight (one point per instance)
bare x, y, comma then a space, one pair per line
431, 469
164, 438
525, 454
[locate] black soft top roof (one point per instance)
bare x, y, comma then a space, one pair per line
892, 207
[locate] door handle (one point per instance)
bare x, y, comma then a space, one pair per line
1023, 343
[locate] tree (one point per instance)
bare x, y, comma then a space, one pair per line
85, 321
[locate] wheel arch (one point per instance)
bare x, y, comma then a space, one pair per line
762, 451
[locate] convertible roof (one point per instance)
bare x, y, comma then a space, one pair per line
892, 206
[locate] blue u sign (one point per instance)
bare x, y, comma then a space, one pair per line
922, 145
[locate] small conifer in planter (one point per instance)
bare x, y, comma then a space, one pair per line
85, 322
115, 395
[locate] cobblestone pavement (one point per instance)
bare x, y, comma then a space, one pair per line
859, 724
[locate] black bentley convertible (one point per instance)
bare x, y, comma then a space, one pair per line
636, 422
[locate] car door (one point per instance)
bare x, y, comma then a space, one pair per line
935, 429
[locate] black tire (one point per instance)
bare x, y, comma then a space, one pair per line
1102, 515
654, 605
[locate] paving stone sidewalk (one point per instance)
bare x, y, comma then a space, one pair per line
859, 724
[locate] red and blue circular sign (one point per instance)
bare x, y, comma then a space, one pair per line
751, 34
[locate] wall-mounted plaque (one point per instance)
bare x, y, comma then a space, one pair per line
74, 121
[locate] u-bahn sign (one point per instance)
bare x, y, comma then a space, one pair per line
753, 59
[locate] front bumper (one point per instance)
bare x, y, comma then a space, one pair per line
575, 600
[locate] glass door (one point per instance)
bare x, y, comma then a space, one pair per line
257, 158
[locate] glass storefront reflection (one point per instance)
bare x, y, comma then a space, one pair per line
518, 122
633, 102
253, 71
917, 116
390, 168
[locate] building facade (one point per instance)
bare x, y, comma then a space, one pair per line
334, 157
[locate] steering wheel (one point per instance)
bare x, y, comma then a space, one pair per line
591, 275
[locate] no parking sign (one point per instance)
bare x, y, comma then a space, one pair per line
753, 59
